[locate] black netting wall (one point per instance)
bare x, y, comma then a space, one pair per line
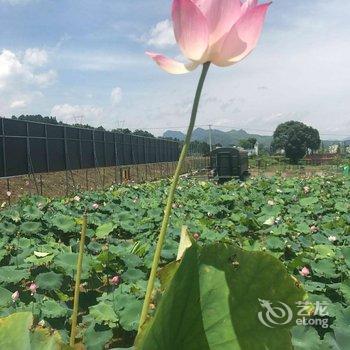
27, 147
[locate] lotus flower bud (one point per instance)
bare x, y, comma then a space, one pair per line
314, 229
95, 206
33, 288
15, 296
115, 280
304, 271
306, 189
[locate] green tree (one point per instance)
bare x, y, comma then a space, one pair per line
248, 143
295, 138
144, 133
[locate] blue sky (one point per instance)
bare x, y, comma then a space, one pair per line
86, 58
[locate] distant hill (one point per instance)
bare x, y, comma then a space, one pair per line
226, 138
232, 137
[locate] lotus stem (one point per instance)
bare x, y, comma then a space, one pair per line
77, 282
170, 198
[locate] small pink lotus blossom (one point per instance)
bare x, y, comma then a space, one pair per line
77, 198
271, 203
8, 193
219, 31
15, 296
304, 271
196, 236
33, 288
332, 239
95, 206
314, 229
115, 280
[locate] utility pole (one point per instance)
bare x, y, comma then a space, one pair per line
210, 139
78, 119
120, 124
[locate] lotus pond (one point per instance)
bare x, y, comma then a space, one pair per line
303, 222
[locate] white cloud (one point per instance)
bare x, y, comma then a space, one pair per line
21, 75
161, 35
35, 57
10, 67
68, 113
14, 70
116, 95
18, 104
45, 79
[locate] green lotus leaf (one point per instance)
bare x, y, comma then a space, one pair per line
133, 275
30, 227
39, 261
53, 309
346, 254
16, 334
14, 331
275, 243
31, 212
49, 280
5, 297
10, 274
64, 223
129, 316
7, 228
12, 214
343, 207
306, 338
132, 260
324, 268
309, 201
345, 290
68, 263
217, 293
103, 313
45, 339
105, 229
340, 340
324, 251
96, 340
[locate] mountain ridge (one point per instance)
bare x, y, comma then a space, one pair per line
226, 138
232, 137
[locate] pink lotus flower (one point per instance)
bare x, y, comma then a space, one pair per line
219, 31
115, 280
95, 206
8, 193
196, 236
33, 288
76, 198
15, 296
304, 271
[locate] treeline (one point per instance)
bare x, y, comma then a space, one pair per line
52, 120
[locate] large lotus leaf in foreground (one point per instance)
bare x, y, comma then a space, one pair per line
213, 303
15, 334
